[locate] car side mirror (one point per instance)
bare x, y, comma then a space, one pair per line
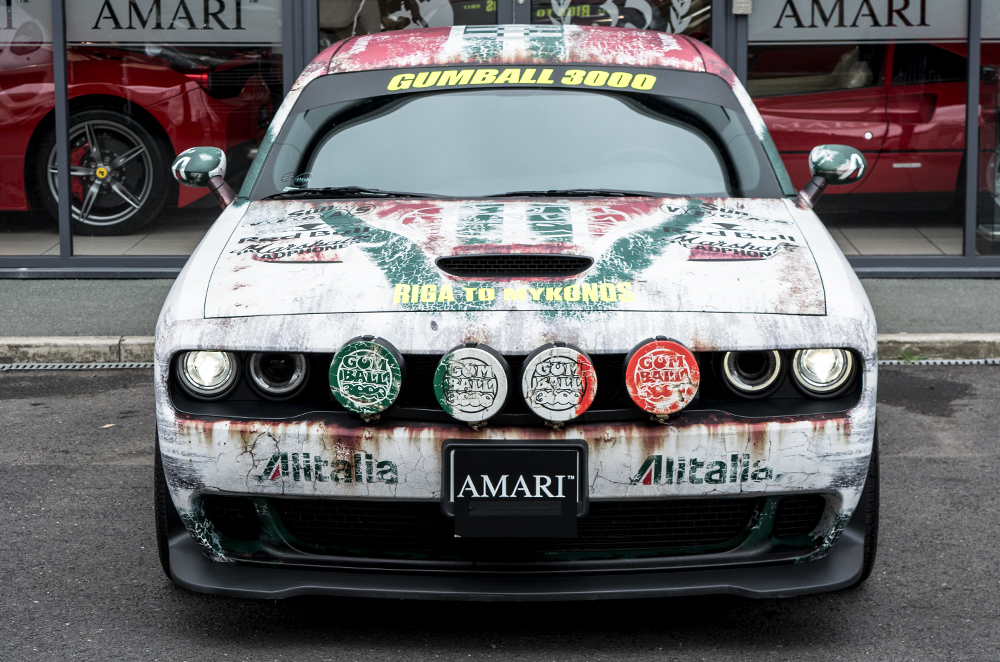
832, 164
204, 167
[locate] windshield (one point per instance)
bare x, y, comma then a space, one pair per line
494, 141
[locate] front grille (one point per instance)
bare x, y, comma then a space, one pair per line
797, 516
233, 517
514, 266
612, 530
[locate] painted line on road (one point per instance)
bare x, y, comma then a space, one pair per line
7, 367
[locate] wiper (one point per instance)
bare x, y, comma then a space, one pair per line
344, 192
578, 193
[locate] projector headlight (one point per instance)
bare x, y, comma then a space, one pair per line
822, 372
208, 375
753, 374
277, 375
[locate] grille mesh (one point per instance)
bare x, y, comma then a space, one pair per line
419, 530
500, 266
797, 516
234, 517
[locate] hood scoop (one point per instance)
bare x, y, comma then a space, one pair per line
514, 266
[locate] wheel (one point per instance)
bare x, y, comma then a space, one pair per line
870, 498
118, 173
164, 509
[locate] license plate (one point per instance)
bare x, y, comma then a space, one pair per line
514, 490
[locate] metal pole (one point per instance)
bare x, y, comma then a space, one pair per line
60, 79
719, 10
289, 44
972, 128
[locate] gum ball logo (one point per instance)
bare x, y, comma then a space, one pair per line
662, 376
365, 377
470, 383
559, 383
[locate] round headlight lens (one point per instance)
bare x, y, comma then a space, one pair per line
822, 371
753, 374
208, 375
277, 375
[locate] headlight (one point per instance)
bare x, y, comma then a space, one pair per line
277, 375
752, 374
208, 375
822, 372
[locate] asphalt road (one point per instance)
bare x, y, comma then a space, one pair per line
79, 577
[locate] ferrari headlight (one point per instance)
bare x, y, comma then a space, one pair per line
208, 375
277, 375
822, 372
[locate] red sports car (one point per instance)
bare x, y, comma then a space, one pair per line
131, 112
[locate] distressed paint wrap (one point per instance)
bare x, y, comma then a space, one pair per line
711, 274
662, 376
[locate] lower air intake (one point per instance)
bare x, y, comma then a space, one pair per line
514, 266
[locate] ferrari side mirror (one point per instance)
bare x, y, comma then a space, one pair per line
204, 167
832, 164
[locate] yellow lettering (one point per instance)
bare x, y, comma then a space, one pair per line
591, 291
528, 76
596, 78
511, 294
426, 79
469, 293
608, 293
484, 76
571, 293
400, 82
625, 292
553, 294
428, 294
644, 82
620, 79
487, 294
536, 295
454, 77
446, 294
509, 76
402, 294
573, 77
546, 77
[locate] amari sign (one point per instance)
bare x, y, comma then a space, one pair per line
854, 21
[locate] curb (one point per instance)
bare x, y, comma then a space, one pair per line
77, 349
139, 349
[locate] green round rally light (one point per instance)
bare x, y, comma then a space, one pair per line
471, 383
366, 375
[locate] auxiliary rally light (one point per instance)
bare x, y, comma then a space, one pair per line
661, 376
471, 383
558, 382
366, 375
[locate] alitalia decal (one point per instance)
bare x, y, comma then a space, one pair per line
666, 470
362, 468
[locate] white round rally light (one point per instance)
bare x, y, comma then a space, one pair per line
277, 375
558, 382
661, 376
471, 383
208, 375
822, 372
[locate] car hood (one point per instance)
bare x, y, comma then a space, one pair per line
676, 254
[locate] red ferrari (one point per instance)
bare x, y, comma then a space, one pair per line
131, 112
902, 105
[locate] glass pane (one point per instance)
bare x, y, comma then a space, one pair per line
340, 19
26, 106
891, 85
148, 80
988, 200
688, 17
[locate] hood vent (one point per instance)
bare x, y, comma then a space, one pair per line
514, 266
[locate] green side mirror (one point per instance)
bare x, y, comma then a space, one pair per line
195, 166
204, 167
832, 164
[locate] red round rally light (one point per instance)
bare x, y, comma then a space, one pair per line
661, 375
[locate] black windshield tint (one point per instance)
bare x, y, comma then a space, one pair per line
474, 143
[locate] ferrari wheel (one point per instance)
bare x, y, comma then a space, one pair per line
118, 173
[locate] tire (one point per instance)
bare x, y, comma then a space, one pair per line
871, 497
164, 510
119, 198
